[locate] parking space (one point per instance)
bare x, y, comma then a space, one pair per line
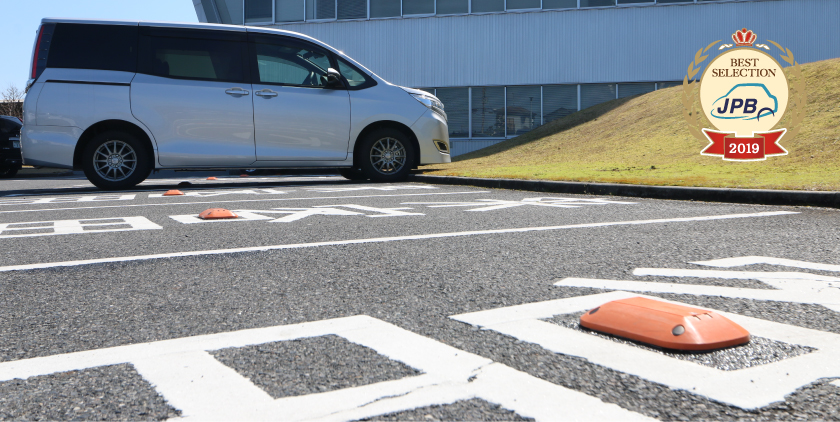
335, 300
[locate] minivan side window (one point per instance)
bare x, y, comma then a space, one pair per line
356, 79
88, 46
193, 54
283, 61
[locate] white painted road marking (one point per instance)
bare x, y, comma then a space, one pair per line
498, 204
59, 227
295, 214
747, 388
752, 260
66, 199
388, 239
210, 193
203, 388
169, 204
359, 188
790, 286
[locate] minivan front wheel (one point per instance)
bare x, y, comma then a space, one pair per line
387, 155
116, 160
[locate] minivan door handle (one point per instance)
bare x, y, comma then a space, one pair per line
266, 93
237, 91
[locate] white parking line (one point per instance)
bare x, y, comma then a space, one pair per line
208, 193
747, 388
481, 205
203, 388
789, 286
290, 215
752, 260
67, 199
249, 200
388, 239
88, 225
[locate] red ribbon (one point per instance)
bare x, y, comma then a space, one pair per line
731, 147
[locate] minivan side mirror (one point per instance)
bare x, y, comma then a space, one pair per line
334, 79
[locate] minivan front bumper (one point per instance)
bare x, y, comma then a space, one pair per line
433, 136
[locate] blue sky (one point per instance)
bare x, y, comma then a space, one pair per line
21, 20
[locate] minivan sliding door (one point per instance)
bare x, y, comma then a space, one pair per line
192, 91
296, 116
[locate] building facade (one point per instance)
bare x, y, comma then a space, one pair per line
504, 67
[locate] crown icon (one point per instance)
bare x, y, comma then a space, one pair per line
744, 38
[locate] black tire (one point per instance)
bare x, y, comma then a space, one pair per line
7, 173
352, 174
107, 161
375, 162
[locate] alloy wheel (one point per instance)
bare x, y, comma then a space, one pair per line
115, 161
388, 156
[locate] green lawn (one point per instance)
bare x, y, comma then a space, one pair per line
645, 140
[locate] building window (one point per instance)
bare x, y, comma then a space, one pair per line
320, 9
288, 10
559, 4
488, 112
453, 7
352, 9
596, 3
594, 94
418, 7
456, 104
522, 109
634, 1
559, 101
230, 11
482, 6
384, 8
628, 90
523, 4
258, 11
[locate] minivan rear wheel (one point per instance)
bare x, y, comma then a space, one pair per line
387, 155
116, 160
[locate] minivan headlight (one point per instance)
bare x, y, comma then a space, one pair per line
431, 102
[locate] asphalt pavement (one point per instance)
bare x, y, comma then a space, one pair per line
335, 300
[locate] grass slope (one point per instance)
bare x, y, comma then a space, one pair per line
645, 140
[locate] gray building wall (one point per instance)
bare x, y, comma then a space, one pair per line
613, 45
616, 44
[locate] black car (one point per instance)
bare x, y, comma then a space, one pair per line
10, 159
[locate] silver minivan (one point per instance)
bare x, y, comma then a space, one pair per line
119, 99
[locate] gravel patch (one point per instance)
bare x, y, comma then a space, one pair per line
759, 351
115, 392
311, 365
466, 410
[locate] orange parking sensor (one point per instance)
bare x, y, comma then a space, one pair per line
212, 178
665, 325
216, 214
173, 192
